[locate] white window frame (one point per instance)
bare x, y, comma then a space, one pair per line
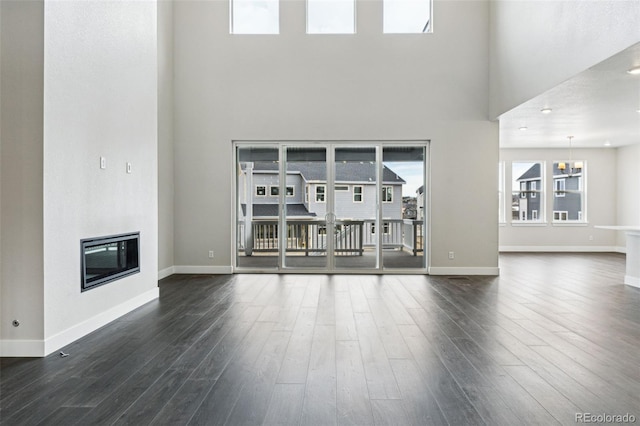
234, 29
426, 29
560, 190
360, 194
330, 31
525, 187
323, 194
501, 192
293, 191
263, 187
306, 194
387, 190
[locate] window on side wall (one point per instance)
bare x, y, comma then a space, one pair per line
331, 17
527, 191
254, 17
501, 213
357, 194
569, 191
387, 194
406, 16
320, 193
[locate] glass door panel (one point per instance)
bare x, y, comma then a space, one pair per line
305, 197
355, 208
403, 205
257, 212
331, 206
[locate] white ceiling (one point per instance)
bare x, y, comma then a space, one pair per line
596, 106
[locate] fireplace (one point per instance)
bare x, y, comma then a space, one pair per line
106, 259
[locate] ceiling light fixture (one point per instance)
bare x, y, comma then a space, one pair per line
634, 71
573, 167
545, 110
607, 143
523, 128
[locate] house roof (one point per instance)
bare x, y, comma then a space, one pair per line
532, 173
345, 172
271, 210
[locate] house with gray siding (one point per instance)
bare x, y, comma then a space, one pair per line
528, 202
567, 194
306, 192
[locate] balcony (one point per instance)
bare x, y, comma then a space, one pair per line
354, 243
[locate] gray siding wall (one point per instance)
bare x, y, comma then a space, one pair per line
347, 209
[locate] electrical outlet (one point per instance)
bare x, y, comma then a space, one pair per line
210, 254
452, 255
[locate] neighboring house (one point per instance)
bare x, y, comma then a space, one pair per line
306, 198
420, 203
567, 205
306, 186
527, 203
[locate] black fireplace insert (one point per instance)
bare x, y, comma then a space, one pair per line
106, 259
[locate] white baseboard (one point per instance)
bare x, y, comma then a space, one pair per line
164, 273
185, 269
632, 281
446, 270
41, 348
553, 249
72, 334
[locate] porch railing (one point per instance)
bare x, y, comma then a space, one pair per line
351, 237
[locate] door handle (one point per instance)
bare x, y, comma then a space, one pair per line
330, 218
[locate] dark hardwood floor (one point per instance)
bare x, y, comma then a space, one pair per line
554, 335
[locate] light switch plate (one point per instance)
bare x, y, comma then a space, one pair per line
103, 163
128, 167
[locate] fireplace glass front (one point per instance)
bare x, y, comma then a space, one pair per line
105, 259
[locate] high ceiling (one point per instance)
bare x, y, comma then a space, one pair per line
598, 106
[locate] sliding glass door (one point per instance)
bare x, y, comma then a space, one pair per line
324, 207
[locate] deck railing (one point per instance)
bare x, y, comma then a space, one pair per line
351, 237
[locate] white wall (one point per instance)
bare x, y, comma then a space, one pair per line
21, 284
537, 44
628, 188
602, 201
165, 137
367, 86
100, 99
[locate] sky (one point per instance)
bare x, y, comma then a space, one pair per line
412, 172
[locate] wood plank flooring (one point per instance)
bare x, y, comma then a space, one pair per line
554, 335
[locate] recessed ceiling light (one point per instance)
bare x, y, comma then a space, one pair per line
607, 143
523, 128
634, 71
545, 110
